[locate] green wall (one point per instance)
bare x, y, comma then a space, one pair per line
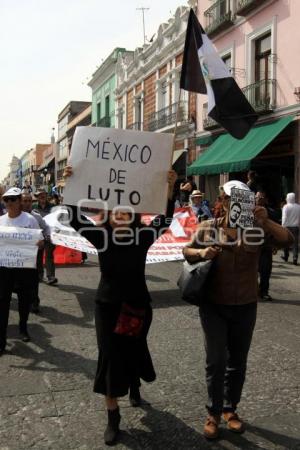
99, 96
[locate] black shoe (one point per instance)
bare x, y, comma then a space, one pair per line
112, 430
135, 397
284, 258
52, 280
267, 297
24, 336
295, 262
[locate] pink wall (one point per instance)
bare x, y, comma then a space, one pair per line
284, 15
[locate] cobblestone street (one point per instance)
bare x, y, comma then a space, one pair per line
46, 385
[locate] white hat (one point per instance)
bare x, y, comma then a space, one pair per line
196, 193
12, 192
234, 184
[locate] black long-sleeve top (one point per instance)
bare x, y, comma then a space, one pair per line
122, 262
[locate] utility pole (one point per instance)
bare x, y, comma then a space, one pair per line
143, 9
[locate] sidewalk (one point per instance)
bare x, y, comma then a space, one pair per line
46, 398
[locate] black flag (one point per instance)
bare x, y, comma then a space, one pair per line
203, 71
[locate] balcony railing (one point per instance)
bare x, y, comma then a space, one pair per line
208, 123
243, 7
135, 126
261, 95
104, 122
167, 116
218, 17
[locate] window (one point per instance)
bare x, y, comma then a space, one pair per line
263, 58
228, 63
107, 108
98, 112
263, 69
164, 93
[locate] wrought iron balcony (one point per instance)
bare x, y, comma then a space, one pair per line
167, 116
243, 7
208, 123
135, 126
218, 17
261, 95
104, 122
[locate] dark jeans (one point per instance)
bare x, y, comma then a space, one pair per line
49, 260
23, 281
265, 269
228, 333
295, 233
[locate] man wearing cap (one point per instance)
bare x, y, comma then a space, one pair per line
228, 312
43, 207
27, 207
200, 209
23, 279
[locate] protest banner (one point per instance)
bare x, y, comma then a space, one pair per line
167, 248
170, 245
66, 236
75, 242
242, 203
113, 167
18, 247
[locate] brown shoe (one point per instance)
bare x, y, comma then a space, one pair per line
211, 427
234, 423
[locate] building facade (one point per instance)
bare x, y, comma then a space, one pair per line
70, 111
15, 172
258, 41
148, 96
103, 85
25, 169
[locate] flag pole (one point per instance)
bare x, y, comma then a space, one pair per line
175, 129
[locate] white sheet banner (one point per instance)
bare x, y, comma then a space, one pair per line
18, 247
76, 242
114, 167
165, 252
64, 235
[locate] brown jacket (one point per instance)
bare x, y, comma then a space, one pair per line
233, 276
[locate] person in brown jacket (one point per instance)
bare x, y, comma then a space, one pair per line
228, 313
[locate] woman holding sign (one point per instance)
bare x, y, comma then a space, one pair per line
228, 311
123, 312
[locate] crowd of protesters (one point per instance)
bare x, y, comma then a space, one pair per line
123, 313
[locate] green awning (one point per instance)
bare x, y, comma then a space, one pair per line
228, 154
204, 140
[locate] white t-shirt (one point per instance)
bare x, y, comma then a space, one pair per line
24, 220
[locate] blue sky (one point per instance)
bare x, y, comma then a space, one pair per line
49, 50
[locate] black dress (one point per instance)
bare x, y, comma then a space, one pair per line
122, 360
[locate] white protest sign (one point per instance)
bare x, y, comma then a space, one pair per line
18, 247
120, 167
242, 203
